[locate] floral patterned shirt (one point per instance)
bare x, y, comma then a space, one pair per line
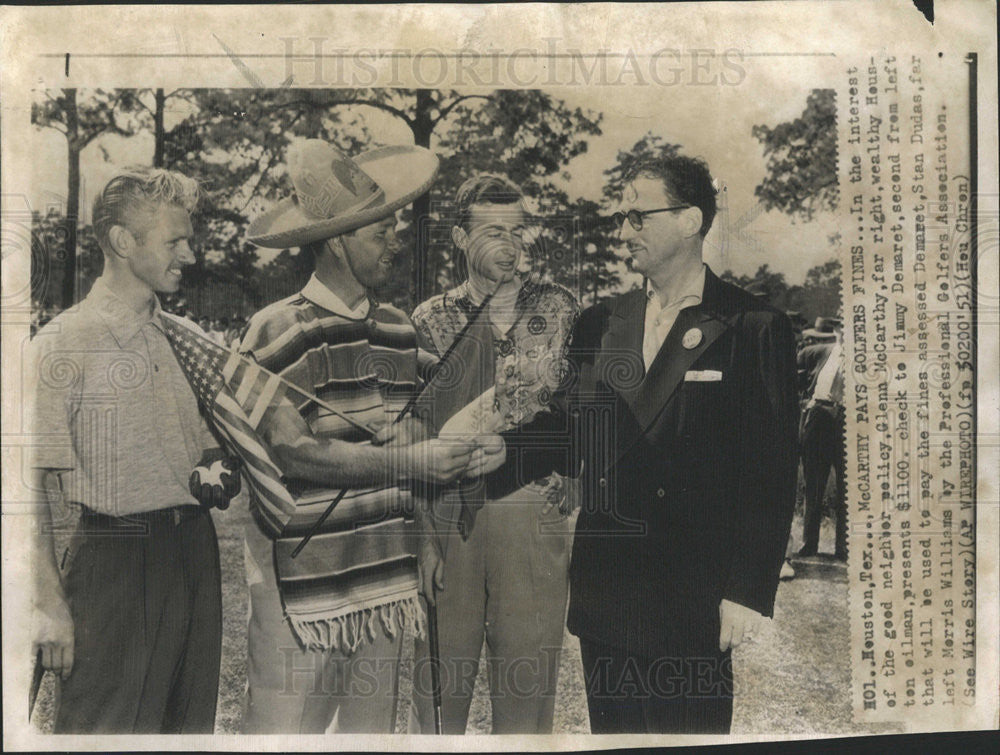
530, 358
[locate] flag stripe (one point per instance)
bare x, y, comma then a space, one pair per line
246, 383
232, 364
264, 400
256, 459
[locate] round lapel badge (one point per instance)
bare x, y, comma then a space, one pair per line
692, 338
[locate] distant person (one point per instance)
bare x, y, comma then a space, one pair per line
173, 304
218, 333
237, 324
798, 324
822, 436
760, 290
821, 332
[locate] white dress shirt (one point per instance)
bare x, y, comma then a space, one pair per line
660, 317
830, 381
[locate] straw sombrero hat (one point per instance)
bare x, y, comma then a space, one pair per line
335, 194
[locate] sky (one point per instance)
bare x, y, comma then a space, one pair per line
713, 122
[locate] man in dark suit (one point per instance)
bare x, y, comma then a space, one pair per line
681, 404
685, 413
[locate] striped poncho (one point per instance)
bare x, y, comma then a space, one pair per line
359, 570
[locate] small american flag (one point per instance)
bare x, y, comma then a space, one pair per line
330, 598
236, 393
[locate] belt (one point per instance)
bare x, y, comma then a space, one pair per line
172, 515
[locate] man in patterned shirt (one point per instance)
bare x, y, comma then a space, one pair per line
499, 570
325, 630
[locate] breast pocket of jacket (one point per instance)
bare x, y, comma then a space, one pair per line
701, 408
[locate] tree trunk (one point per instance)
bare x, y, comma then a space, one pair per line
68, 294
158, 132
420, 275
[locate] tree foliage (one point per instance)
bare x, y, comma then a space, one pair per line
81, 122
818, 296
649, 147
235, 143
802, 159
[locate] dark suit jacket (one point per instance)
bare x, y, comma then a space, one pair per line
688, 487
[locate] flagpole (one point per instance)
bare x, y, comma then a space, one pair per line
448, 352
434, 649
36, 682
435, 659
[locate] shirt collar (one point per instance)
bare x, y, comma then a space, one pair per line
318, 293
464, 292
689, 294
123, 321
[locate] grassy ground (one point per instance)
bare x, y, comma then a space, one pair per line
794, 677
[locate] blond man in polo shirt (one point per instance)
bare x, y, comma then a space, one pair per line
134, 626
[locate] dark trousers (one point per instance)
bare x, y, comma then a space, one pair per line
822, 448
628, 694
145, 595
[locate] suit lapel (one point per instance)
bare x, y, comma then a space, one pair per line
619, 362
623, 338
673, 360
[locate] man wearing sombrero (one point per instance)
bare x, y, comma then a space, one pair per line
325, 628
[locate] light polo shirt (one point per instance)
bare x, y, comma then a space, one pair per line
112, 409
660, 317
